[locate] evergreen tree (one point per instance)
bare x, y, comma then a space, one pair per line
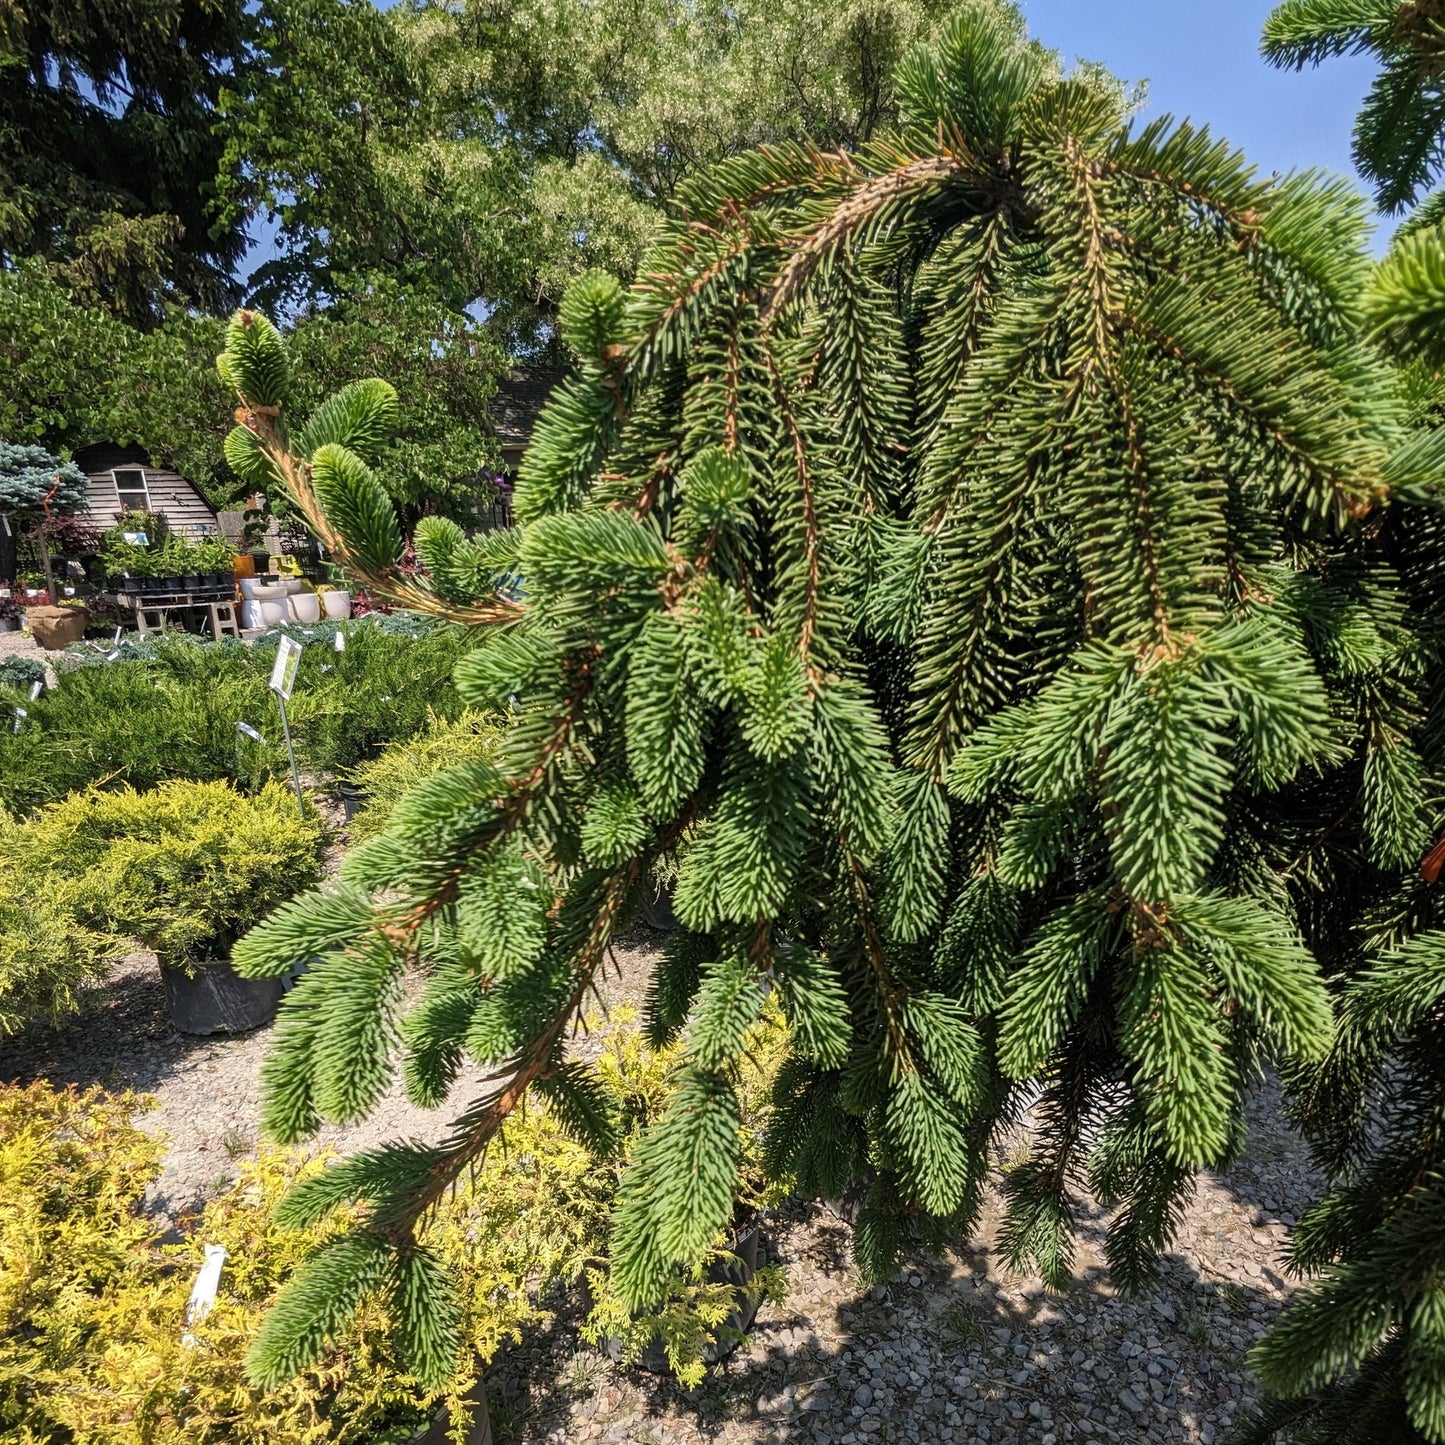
1397, 135
109, 158
1360, 1356
962, 559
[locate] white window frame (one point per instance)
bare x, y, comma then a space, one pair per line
144, 488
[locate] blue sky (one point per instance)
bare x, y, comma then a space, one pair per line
1201, 59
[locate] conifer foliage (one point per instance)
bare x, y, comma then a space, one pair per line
1360, 1356
957, 558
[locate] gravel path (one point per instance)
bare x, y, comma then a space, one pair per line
208, 1090
22, 644
958, 1350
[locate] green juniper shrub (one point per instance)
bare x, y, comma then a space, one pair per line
386, 685
168, 708
47, 959
21, 673
182, 869
401, 766
135, 724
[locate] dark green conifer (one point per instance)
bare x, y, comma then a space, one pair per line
962, 560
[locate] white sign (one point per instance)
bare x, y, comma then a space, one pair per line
203, 1292
283, 673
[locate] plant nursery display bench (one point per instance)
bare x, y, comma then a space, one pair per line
211, 609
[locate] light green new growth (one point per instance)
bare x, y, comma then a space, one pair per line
967, 561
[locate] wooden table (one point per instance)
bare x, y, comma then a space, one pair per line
152, 609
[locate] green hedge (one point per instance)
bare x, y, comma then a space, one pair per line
170, 711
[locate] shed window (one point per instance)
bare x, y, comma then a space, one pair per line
130, 491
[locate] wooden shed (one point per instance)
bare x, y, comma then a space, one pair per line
124, 479
518, 403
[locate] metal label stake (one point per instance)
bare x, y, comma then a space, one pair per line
283, 679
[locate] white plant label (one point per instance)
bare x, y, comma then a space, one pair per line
203, 1292
283, 672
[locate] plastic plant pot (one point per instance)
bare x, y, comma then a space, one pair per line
478, 1433
738, 1270
212, 998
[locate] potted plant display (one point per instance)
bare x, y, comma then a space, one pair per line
9, 613
215, 562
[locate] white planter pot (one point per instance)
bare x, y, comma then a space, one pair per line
251, 615
304, 607
272, 613
337, 605
268, 591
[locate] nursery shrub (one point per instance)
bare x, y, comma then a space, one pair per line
386, 685
46, 958
400, 766
168, 708
130, 723
21, 672
92, 1303
181, 869
693, 1311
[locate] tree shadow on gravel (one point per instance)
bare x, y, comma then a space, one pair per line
122, 1038
947, 1353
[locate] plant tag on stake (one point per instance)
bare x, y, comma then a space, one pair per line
283, 679
339, 641
283, 671
20, 716
36, 688
203, 1292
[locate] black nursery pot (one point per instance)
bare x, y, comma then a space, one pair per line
191, 581
657, 913
738, 1270
479, 1432
212, 998
350, 797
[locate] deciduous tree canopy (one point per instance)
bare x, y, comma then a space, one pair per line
109, 158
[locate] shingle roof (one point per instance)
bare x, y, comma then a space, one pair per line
519, 401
